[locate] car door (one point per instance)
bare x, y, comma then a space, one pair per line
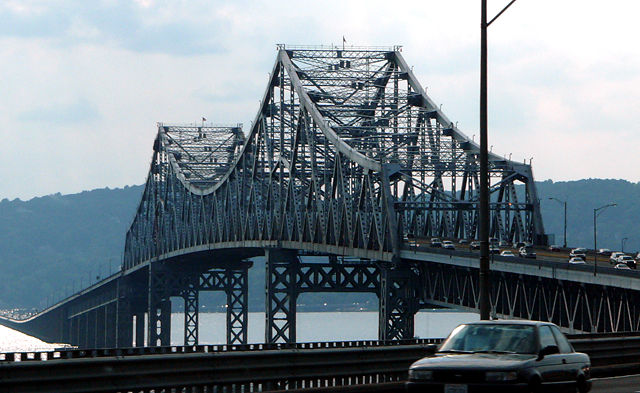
551, 367
571, 361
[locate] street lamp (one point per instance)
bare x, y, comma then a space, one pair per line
623, 241
483, 278
595, 243
565, 219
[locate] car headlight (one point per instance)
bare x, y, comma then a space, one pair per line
493, 376
423, 375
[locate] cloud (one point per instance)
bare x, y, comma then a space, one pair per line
81, 111
136, 26
563, 87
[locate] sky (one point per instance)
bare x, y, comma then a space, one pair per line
84, 82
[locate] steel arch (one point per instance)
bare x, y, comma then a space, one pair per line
347, 155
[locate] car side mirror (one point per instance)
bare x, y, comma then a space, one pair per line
548, 350
431, 349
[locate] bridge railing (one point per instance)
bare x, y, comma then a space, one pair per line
259, 367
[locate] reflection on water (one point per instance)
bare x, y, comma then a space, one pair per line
312, 326
323, 326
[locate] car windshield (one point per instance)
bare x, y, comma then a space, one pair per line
501, 338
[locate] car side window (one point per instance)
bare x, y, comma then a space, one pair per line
563, 344
546, 336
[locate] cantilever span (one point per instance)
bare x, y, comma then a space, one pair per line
347, 159
347, 155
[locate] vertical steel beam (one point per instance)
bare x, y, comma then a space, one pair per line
398, 302
159, 307
123, 317
139, 326
101, 327
190, 296
237, 288
281, 273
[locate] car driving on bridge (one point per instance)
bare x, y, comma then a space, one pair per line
579, 252
502, 356
628, 260
576, 261
613, 258
527, 252
448, 245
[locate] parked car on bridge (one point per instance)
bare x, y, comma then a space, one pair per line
507, 253
494, 250
475, 245
579, 252
622, 266
504, 356
463, 241
448, 245
503, 243
436, 242
554, 247
527, 252
577, 261
613, 258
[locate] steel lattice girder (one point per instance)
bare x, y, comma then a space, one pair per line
577, 306
346, 153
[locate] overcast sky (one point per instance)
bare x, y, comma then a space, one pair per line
84, 82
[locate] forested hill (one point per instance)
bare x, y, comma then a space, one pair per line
57, 243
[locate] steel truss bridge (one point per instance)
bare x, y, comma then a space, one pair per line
349, 159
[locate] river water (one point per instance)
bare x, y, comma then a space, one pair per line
312, 326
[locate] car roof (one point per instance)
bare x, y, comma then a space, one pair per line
510, 322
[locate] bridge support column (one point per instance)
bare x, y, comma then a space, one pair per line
190, 296
281, 274
237, 288
101, 327
92, 330
159, 317
398, 303
139, 326
123, 323
111, 326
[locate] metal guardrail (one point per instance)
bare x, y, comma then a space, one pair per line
214, 368
371, 366
140, 351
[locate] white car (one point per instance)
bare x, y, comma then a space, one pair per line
604, 251
448, 245
578, 252
507, 253
627, 259
614, 256
576, 261
622, 266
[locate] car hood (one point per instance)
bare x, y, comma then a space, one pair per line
477, 361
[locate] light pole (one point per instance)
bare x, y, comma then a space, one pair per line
564, 245
595, 243
483, 278
624, 240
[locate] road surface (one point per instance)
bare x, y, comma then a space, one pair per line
624, 384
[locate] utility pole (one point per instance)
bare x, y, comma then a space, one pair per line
595, 239
484, 282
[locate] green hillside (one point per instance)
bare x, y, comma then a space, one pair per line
53, 245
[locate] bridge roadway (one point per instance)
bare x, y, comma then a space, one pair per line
569, 295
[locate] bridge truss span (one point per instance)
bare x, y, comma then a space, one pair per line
346, 152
